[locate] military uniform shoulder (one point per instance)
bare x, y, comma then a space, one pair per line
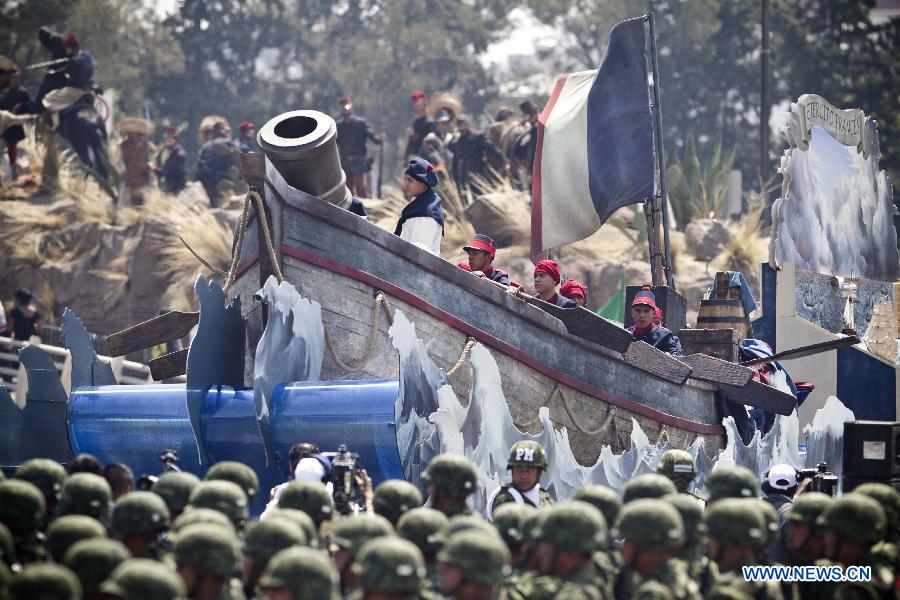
545, 498
530, 586
579, 591
652, 590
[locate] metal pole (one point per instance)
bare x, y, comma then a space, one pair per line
660, 155
764, 100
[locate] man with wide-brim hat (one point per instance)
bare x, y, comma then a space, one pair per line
643, 309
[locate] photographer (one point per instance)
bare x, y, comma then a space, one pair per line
780, 487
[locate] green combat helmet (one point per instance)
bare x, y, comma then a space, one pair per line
66, 531
677, 466
573, 526
22, 507
691, 514
736, 522
889, 499
603, 499
773, 522
390, 565
93, 560
48, 475
210, 549
47, 582
140, 512
651, 523
509, 519
855, 517
237, 473
265, 539
731, 482
352, 532
85, 494
306, 573
481, 558
193, 516
8, 548
424, 527
309, 496
301, 520
808, 507
452, 475
224, 496
648, 485
527, 453
146, 579
175, 489
460, 523
394, 497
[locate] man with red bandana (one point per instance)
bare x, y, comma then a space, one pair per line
546, 278
574, 291
643, 311
481, 251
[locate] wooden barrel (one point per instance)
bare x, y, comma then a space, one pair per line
716, 313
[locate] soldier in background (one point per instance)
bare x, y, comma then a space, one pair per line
135, 153
218, 163
48, 475
22, 511
247, 140
422, 125
16, 100
205, 557
527, 462
298, 574
390, 567
473, 566
263, 541
138, 520
471, 152
394, 498
451, 478
171, 163
352, 134
678, 466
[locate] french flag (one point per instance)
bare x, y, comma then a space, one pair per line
594, 150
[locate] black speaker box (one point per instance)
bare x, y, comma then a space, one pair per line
871, 450
851, 482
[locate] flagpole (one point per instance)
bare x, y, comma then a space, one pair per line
660, 156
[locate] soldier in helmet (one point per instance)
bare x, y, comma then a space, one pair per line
224, 496
300, 574
22, 511
205, 557
527, 461
509, 519
8, 557
263, 541
472, 566
48, 475
426, 528
530, 583
737, 534
394, 497
348, 537
175, 488
731, 482
138, 520
92, 560
648, 485
451, 479
309, 496
238, 473
45, 581
390, 567
143, 578
801, 541
301, 520
692, 554
886, 552
459, 523
678, 466
652, 534
85, 494
66, 531
566, 540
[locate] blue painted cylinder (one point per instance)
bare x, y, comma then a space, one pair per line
329, 413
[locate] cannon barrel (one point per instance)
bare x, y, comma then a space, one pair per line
302, 146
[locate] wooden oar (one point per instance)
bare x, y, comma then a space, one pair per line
169, 365
805, 350
653, 360
760, 395
715, 370
171, 326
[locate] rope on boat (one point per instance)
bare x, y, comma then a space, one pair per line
362, 361
470, 343
253, 196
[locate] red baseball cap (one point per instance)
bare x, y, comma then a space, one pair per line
483, 243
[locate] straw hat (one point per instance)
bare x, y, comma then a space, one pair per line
128, 125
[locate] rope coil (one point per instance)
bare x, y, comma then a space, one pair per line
257, 200
470, 343
362, 361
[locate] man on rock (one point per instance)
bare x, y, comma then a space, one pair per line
481, 251
471, 151
643, 309
527, 462
352, 134
546, 278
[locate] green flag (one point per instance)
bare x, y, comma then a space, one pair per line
614, 309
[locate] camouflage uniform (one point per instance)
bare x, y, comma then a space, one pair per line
693, 555
45, 582
731, 482
509, 520
390, 565
85, 494
604, 499
224, 496
238, 473
308, 574
480, 559
48, 475
740, 523
394, 497
93, 559
531, 585
65, 531
145, 579
427, 529
454, 477
678, 466
526, 453
309, 496
654, 524
885, 553
350, 534
648, 485
22, 512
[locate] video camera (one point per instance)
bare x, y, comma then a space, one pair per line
169, 459
345, 479
822, 480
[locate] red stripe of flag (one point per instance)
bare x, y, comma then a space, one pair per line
537, 246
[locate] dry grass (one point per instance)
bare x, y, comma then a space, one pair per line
749, 243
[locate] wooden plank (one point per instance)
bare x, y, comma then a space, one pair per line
716, 370
589, 326
760, 395
169, 365
802, 351
652, 360
173, 325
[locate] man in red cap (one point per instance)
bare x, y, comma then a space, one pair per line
481, 251
247, 140
574, 291
352, 134
422, 125
643, 311
171, 163
546, 278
